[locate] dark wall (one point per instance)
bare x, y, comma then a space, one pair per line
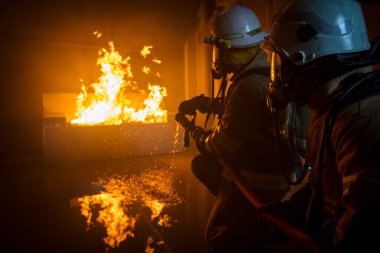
371, 10
47, 46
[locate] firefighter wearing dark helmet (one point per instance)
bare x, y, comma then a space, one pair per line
245, 135
321, 55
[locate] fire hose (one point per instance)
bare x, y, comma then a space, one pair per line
308, 243
293, 233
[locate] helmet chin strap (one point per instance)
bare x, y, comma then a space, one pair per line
221, 93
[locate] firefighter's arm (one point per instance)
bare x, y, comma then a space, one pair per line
243, 110
358, 161
200, 136
207, 142
355, 139
199, 103
197, 133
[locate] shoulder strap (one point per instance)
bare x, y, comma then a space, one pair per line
297, 173
357, 87
264, 71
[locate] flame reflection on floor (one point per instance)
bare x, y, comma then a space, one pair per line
152, 189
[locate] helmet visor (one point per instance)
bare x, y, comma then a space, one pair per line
216, 56
280, 93
275, 68
217, 62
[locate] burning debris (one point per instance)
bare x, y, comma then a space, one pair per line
112, 117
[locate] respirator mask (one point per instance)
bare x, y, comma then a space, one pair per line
280, 91
217, 63
220, 66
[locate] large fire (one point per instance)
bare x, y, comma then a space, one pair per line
108, 105
152, 188
120, 207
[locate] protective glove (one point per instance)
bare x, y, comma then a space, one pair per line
185, 122
200, 135
200, 103
197, 133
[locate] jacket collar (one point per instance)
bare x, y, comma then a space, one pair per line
325, 95
258, 61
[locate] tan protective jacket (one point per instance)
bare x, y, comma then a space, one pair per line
246, 133
350, 173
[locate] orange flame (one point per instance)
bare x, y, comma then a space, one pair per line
108, 105
152, 188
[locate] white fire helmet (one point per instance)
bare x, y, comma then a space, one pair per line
239, 26
306, 30
302, 37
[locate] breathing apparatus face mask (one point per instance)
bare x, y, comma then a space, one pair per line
219, 68
289, 82
217, 63
280, 92
231, 60
221, 65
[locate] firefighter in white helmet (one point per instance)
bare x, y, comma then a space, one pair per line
247, 134
321, 56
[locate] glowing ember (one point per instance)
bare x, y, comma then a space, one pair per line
109, 105
98, 34
146, 70
146, 51
156, 61
152, 188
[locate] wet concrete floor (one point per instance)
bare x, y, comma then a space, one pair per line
37, 215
